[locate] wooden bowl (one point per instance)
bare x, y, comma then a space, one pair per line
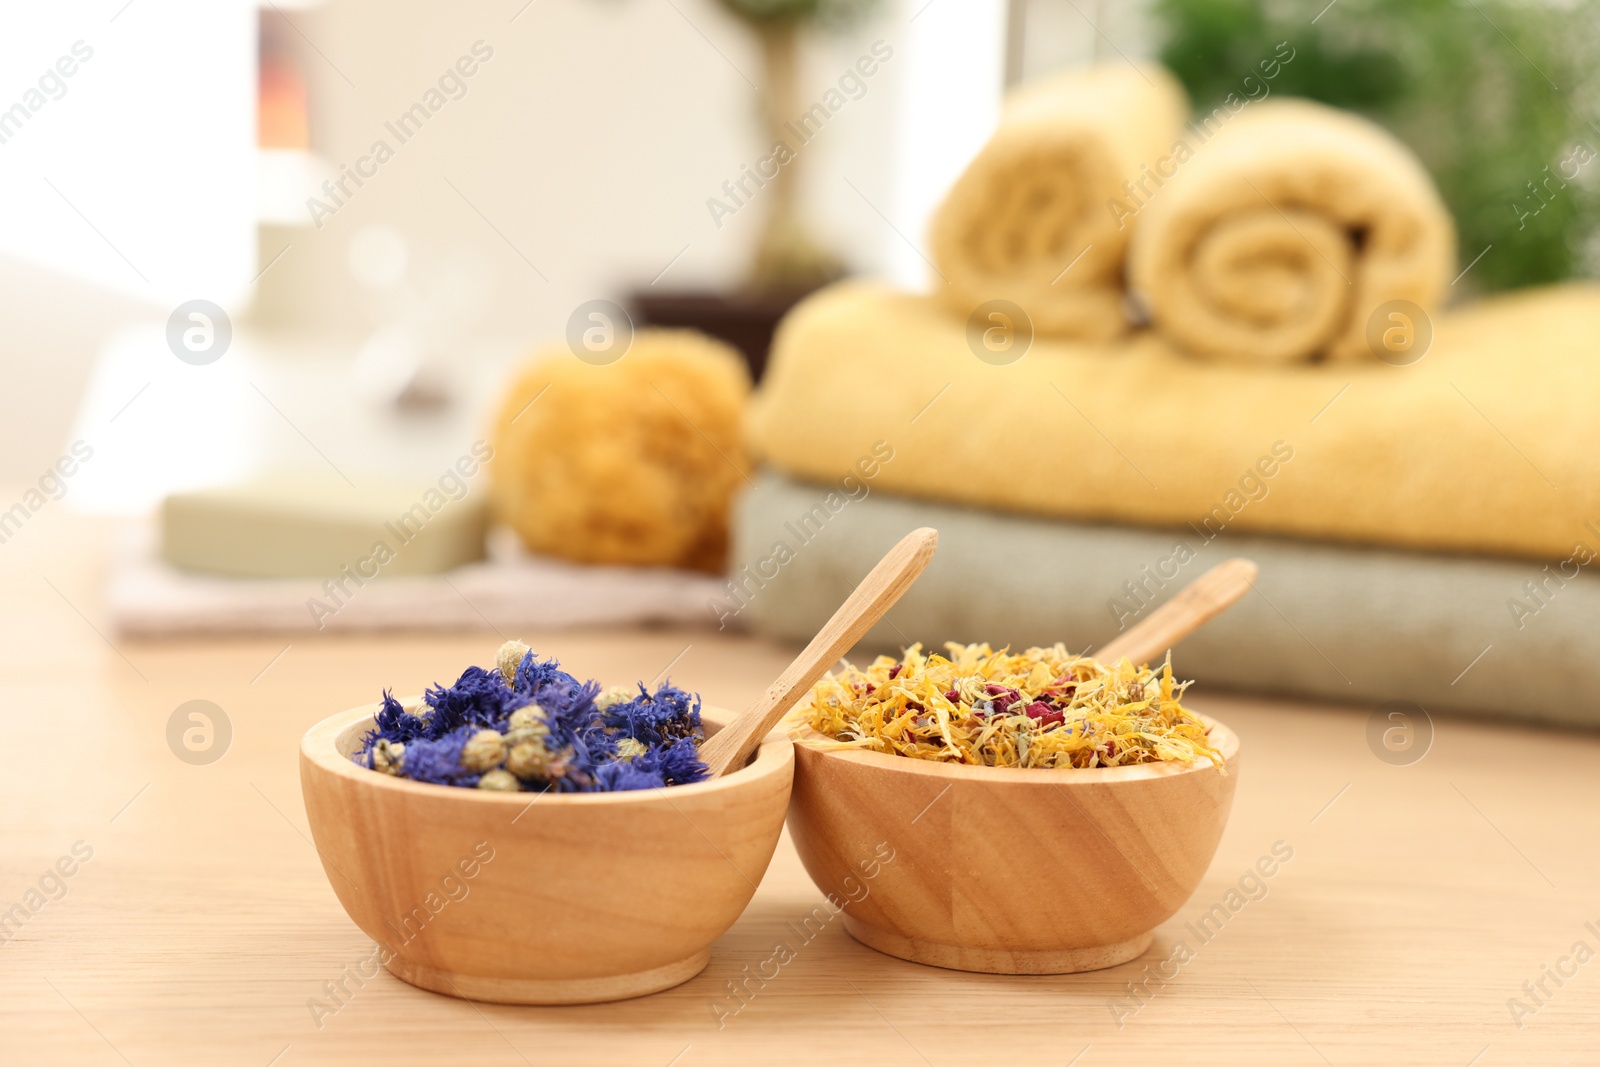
540, 898
1006, 870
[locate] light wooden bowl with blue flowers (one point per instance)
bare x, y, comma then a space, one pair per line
540, 898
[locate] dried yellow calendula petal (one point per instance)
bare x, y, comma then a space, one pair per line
1044, 707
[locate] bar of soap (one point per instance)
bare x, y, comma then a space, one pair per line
310, 526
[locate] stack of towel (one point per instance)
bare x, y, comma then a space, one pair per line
1421, 488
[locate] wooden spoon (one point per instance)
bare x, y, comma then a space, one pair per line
1196, 604
731, 746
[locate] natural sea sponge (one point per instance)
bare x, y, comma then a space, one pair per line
633, 462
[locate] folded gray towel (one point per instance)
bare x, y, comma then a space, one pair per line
1355, 625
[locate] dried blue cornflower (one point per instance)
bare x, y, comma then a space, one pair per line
615, 777
552, 732
395, 723
674, 763
479, 698
680, 761
438, 760
655, 719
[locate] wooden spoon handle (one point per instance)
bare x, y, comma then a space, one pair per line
1206, 597
731, 746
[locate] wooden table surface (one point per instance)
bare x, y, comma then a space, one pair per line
1418, 901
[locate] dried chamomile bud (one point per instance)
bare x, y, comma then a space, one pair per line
529, 717
499, 781
630, 748
528, 759
484, 750
388, 757
517, 737
614, 694
558, 765
509, 658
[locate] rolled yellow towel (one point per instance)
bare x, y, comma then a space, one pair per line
1283, 230
1028, 220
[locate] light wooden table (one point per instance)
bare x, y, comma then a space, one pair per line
1418, 901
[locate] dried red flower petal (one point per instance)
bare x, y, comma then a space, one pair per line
1044, 714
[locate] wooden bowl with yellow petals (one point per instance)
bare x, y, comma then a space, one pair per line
1005, 869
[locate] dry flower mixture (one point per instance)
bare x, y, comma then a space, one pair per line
526, 725
1044, 707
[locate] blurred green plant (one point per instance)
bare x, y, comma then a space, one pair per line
788, 256
836, 12
1488, 93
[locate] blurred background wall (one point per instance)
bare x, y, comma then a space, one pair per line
577, 164
581, 158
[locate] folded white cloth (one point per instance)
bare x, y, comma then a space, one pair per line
512, 591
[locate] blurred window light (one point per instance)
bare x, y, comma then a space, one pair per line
159, 425
283, 111
128, 144
950, 101
290, 171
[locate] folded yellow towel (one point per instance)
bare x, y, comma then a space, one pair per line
1281, 234
1489, 444
1028, 221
